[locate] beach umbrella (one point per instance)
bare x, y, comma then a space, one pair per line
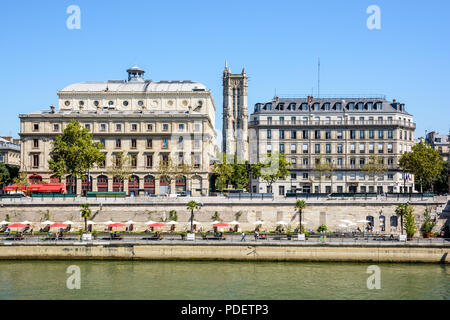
130, 222
282, 223
68, 222
156, 225
91, 223
150, 222
47, 222
17, 225
215, 222
195, 222
363, 221
58, 225
258, 222
117, 225
172, 223
347, 221
233, 223
221, 225
108, 222
26, 222
3, 223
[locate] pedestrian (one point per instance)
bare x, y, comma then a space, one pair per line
256, 235
243, 236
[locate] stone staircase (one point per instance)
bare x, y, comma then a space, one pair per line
442, 216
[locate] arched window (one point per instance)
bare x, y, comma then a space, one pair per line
370, 224
35, 179
71, 185
86, 185
117, 184
102, 184
54, 179
382, 223
133, 185
149, 185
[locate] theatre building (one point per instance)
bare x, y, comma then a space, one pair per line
148, 122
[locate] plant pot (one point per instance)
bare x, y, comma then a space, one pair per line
410, 237
427, 235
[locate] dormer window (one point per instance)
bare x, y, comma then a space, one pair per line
111, 103
351, 106
326, 106
269, 106
378, 106
369, 105
338, 106
360, 106
316, 106
304, 107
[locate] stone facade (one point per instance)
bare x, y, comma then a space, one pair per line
344, 133
148, 122
9, 152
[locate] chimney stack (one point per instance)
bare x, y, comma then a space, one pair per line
52, 109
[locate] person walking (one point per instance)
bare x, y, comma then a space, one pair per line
256, 235
243, 237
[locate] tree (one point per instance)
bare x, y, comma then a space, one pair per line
410, 223
4, 174
74, 152
86, 213
216, 217
300, 205
21, 179
402, 210
192, 205
441, 184
224, 173
274, 168
120, 169
424, 162
374, 166
321, 168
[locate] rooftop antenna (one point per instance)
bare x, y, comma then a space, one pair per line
318, 81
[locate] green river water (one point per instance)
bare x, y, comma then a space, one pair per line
220, 280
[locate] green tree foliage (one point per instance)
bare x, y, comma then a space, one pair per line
402, 210
424, 162
374, 166
216, 217
300, 205
74, 152
120, 168
322, 168
191, 206
410, 223
235, 174
86, 214
21, 179
4, 174
441, 184
173, 216
274, 168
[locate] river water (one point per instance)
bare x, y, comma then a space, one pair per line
220, 280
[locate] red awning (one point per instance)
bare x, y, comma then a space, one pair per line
59, 225
17, 225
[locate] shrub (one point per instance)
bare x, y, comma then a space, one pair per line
322, 228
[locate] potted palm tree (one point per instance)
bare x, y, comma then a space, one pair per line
300, 205
410, 224
427, 225
86, 213
192, 206
401, 210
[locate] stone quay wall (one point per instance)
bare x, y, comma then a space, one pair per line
231, 252
329, 212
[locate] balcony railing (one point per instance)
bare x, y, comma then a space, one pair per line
312, 123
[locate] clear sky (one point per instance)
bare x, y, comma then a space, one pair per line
278, 42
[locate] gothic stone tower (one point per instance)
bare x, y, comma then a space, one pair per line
235, 114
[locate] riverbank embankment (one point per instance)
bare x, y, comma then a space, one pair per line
373, 253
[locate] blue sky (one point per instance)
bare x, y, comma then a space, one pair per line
278, 42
